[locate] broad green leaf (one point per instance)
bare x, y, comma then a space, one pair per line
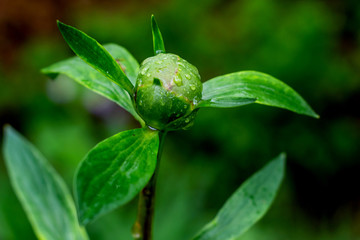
231, 89
158, 42
89, 50
114, 171
247, 205
87, 76
41, 191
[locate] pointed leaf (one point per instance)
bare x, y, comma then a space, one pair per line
41, 191
89, 50
264, 88
87, 76
158, 42
247, 205
114, 171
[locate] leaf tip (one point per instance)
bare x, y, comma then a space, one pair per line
59, 24
153, 20
63, 27
7, 127
311, 113
8, 130
282, 156
154, 25
280, 161
315, 115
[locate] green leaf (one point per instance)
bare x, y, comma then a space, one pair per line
41, 191
247, 205
158, 42
230, 89
89, 50
225, 102
114, 171
87, 76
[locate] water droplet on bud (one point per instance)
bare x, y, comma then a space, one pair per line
178, 81
193, 87
181, 64
188, 76
144, 71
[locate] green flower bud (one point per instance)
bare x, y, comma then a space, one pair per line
167, 91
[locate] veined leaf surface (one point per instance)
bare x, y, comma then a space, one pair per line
87, 76
158, 42
235, 89
114, 171
41, 191
247, 205
89, 50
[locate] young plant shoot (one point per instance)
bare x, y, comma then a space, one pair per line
164, 94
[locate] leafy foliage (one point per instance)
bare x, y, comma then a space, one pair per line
247, 205
41, 191
89, 50
114, 171
87, 76
235, 89
158, 42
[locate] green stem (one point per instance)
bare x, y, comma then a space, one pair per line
142, 229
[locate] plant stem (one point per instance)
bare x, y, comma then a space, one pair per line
142, 229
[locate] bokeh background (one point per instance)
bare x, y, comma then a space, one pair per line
311, 45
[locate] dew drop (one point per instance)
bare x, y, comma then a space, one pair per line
193, 87
187, 120
144, 70
148, 75
141, 103
188, 76
178, 81
136, 235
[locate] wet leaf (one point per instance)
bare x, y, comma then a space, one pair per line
114, 171
87, 76
89, 50
247, 205
41, 191
239, 88
158, 42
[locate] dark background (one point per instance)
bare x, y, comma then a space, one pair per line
311, 45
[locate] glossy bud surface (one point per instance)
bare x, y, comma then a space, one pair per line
167, 91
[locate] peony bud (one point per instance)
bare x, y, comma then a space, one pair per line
167, 91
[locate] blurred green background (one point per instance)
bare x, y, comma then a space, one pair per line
311, 45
